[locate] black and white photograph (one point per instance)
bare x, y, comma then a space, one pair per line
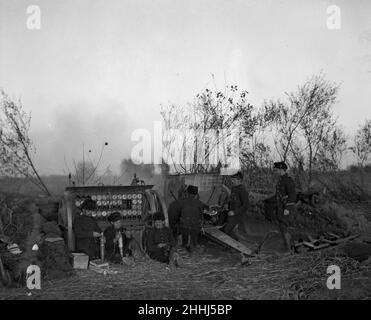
185, 154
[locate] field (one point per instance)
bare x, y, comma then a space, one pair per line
215, 273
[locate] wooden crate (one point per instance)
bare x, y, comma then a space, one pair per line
80, 261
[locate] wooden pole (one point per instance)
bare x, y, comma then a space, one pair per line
69, 211
4, 275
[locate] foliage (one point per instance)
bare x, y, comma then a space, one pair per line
305, 128
15, 145
206, 126
362, 144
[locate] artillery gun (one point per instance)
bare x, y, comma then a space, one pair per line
136, 204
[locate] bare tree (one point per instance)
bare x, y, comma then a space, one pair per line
331, 150
15, 144
362, 144
211, 111
304, 124
307, 110
317, 95
86, 171
255, 151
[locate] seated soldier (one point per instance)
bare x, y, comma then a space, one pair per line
116, 249
87, 230
160, 240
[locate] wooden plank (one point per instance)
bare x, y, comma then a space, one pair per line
212, 227
321, 246
311, 238
218, 235
298, 244
341, 240
333, 235
329, 241
309, 244
314, 247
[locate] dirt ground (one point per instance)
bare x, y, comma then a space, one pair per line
212, 273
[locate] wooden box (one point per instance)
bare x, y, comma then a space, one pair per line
80, 261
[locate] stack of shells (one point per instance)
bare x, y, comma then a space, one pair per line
128, 205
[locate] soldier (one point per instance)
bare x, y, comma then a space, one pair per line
174, 212
238, 205
112, 237
53, 252
160, 240
87, 230
285, 200
191, 218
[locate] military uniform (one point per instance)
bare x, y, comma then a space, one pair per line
174, 212
285, 199
84, 227
238, 203
191, 220
154, 238
111, 246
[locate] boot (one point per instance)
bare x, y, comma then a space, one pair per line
175, 260
288, 242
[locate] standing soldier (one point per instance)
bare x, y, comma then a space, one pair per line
285, 201
174, 212
238, 205
191, 218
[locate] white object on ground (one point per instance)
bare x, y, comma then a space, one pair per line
14, 249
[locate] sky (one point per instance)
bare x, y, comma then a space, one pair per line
97, 70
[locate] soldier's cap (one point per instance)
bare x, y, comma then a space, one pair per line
89, 204
237, 175
280, 165
192, 189
158, 216
114, 216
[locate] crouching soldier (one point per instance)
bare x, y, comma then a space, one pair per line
285, 201
160, 241
87, 231
54, 253
238, 205
116, 243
